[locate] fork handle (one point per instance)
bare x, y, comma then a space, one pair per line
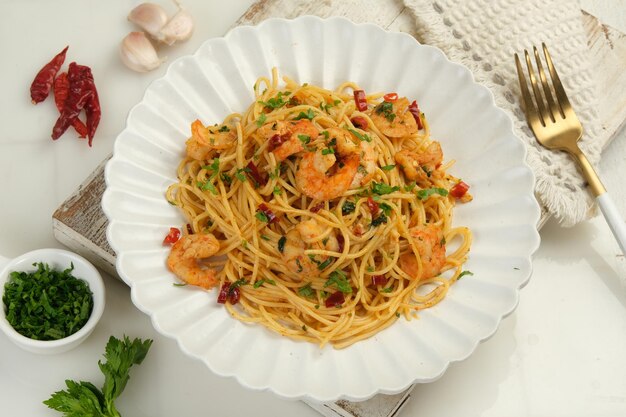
614, 219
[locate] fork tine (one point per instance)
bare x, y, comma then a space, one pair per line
553, 108
529, 107
561, 96
543, 114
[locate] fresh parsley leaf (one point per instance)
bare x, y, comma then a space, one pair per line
462, 274
327, 151
361, 137
224, 129
207, 185
263, 281
387, 290
277, 190
261, 120
348, 207
299, 265
379, 220
325, 133
240, 174
262, 216
340, 281
226, 178
304, 139
427, 192
84, 399
180, 284
281, 244
388, 167
410, 187
386, 208
306, 291
310, 114
381, 188
265, 237
321, 266
275, 102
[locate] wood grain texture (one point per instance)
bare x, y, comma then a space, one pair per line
80, 224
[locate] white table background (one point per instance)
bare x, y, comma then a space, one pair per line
561, 353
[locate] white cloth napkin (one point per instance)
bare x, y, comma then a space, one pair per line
483, 35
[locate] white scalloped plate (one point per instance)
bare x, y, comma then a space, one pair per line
218, 80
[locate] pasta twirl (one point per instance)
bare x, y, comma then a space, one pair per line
322, 215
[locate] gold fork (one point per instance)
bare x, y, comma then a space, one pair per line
555, 125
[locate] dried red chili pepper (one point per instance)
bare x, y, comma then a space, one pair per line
379, 280
335, 299
372, 205
223, 294
341, 242
189, 229
40, 88
254, 174
80, 93
271, 217
316, 208
229, 292
277, 140
415, 111
360, 100
459, 189
92, 107
61, 91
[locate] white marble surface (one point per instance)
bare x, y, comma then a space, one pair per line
559, 354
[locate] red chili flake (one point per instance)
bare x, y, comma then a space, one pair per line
189, 229
255, 175
92, 108
223, 294
372, 205
335, 299
360, 100
40, 88
172, 237
271, 217
415, 111
341, 242
277, 140
61, 91
390, 97
317, 208
459, 189
379, 280
234, 294
359, 122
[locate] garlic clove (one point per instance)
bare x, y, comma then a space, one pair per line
149, 17
179, 28
138, 53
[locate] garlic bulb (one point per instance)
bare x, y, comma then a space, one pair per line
179, 28
149, 17
138, 53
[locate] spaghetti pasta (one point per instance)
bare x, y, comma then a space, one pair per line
331, 222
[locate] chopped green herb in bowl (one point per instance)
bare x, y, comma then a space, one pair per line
51, 300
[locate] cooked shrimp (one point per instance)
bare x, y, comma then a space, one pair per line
419, 166
315, 180
303, 237
204, 140
185, 254
289, 130
367, 155
394, 119
431, 248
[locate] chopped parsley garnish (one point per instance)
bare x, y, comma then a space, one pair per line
263, 281
427, 192
370, 269
237, 284
277, 190
275, 102
388, 167
306, 291
310, 114
321, 266
224, 129
386, 290
304, 139
410, 187
47, 304
361, 169
281, 244
327, 151
426, 170
379, 220
348, 207
386, 108
340, 281
180, 284
299, 265
207, 185
265, 237
325, 133
262, 216
381, 188
240, 174
386, 208
226, 178
360, 136
261, 120
462, 274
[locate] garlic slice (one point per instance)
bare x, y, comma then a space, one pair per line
149, 17
138, 53
179, 28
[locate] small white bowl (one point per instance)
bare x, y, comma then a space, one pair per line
60, 260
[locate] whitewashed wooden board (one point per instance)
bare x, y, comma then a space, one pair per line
80, 224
